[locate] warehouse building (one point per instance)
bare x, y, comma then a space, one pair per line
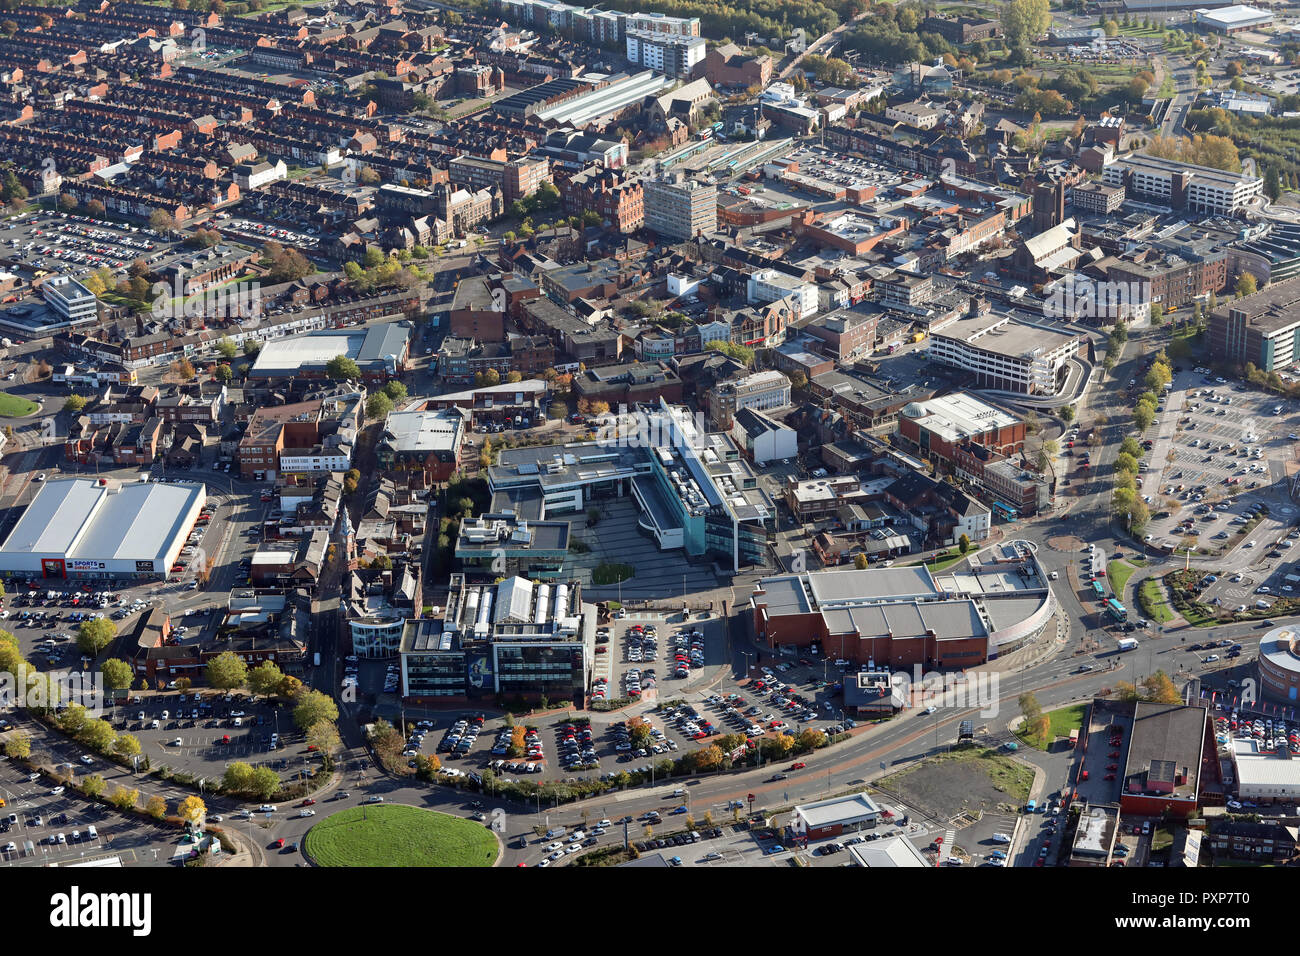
1230, 20
89, 529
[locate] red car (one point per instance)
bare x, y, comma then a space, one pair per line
309, 802
798, 766
278, 844
1083, 775
1112, 766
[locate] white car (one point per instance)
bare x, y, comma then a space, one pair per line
306, 812
56, 791
87, 759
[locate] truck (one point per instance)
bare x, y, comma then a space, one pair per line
1127, 644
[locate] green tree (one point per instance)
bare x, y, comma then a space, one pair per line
156, 807
237, 778
963, 544
264, 782
1024, 21
1246, 285
227, 671
95, 635
226, 346
395, 390
98, 735
127, 745
224, 374
1067, 414
378, 406
264, 680
324, 736
124, 798
93, 786
1143, 416
74, 404
314, 707
19, 746
342, 369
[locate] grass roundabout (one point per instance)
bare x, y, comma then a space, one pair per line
12, 406
390, 835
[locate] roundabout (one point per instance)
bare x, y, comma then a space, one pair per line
395, 835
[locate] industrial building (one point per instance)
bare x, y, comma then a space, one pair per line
1235, 19
380, 351
89, 529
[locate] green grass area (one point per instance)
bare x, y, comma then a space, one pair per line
945, 560
395, 836
1152, 600
611, 573
1061, 722
11, 406
1161, 839
1119, 572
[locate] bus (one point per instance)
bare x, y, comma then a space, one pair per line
1116, 610
1099, 590
1005, 512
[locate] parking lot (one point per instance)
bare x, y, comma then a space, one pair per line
53, 241
252, 230
35, 817
1217, 448
202, 732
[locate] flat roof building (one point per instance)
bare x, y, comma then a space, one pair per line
380, 351
1235, 19
85, 528
829, 818
1005, 354
71, 301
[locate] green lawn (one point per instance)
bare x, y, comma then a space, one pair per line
1062, 721
945, 560
1152, 600
1119, 573
11, 406
396, 836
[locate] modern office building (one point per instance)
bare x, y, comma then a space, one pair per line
772, 285
71, 301
679, 208
1263, 328
759, 391
1168, 182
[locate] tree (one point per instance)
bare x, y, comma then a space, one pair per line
313, 707
265, 679
98, 735
394, 390
223, 373
124, 798
1067, 414
290, 687
378, 406
1272, 184
342, 369
156, 807
324, 736
127, 745
1143, 416
19, 746
263, 782
192, 810
93, 786
1023, 21
1029, 706
226, 346
74, 404
226, 671
161, 221
237, 778
1246, 285
861, 562
95, 635
183, 369
963, 543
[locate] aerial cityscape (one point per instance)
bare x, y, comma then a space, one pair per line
508, 433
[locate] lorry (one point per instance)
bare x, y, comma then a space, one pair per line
1127, 644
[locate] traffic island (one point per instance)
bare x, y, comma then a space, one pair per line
399, 836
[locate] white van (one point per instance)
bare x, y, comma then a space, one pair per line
92, 833
1001, 838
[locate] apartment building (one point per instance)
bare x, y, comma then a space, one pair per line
770, 285
668, 53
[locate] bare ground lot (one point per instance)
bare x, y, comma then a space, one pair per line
964, 782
